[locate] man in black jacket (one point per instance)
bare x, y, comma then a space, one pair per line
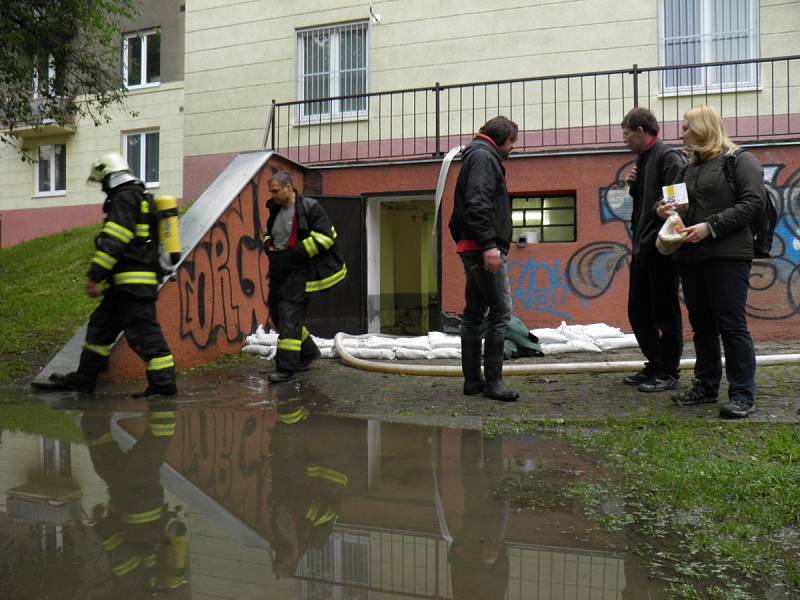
125, 270
653, 307
481, 228
300, 242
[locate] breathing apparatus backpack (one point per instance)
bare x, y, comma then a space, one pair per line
169, 233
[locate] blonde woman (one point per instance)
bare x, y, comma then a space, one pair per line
715, 260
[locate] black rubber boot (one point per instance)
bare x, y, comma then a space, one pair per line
75, 382
156, 393
471, 364
493, 369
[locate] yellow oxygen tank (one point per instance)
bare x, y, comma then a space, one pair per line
175, 555
169, 233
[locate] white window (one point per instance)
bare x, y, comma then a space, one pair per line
332, 61
51, 170
141, 152
703, 31
44, 76
141, 59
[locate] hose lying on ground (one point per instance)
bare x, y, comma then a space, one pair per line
618, 366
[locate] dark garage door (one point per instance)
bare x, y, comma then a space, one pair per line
343, 308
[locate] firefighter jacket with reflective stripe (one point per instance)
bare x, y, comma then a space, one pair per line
126, 255
314, 254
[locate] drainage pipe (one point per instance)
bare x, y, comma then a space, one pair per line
618, 366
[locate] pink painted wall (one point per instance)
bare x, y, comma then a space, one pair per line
29, 223
200, 171
587, 281
221, 290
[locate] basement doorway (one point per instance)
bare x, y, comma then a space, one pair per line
402, 280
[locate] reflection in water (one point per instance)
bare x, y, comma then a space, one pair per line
308, 482
145, 542
478, 556
283, 501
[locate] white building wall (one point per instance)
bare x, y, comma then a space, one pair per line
241, 55
156, 108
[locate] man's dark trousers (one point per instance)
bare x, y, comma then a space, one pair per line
487, 298
288, 306
120, 311
654, 312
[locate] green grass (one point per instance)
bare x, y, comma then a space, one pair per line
715, 508
42, 300
40, 420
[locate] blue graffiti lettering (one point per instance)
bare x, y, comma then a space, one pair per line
540, 286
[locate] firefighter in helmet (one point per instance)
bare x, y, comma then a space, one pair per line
125, 270
144, 540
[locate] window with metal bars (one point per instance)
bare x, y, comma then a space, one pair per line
703, 31
544, 219
332, 61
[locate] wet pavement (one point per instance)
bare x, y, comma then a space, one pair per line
244, 490
340, 484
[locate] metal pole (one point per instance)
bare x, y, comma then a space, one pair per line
635, 74
269, 133
436, 90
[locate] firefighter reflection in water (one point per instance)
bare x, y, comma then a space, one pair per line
145, 542
478, 556
308, 480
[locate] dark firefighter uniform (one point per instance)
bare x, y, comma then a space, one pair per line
146, 546
308, 483
309, 264
126, 265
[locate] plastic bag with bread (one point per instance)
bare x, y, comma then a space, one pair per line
669, 240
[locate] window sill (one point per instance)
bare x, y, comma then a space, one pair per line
330, 119
715, 91
55, 194
144, 86
151, 185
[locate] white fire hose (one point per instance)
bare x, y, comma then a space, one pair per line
607, 366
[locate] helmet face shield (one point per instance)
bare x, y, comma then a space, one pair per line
108, 164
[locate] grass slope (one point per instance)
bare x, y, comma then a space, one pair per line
42, 300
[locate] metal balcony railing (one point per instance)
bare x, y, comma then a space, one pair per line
759, 100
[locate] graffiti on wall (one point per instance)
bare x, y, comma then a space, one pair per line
541, 287
775, 283
222, 281
226, 454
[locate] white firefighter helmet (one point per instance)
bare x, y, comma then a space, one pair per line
111, 164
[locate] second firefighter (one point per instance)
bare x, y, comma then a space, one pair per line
300, 242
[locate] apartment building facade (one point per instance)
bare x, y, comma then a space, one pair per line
366, 98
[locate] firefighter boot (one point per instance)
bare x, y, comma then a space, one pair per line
73, 382
160, 384
471, 364
493, 368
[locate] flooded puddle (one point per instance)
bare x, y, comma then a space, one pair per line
277, 499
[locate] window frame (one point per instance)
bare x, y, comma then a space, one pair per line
51, 78
705, 34
37, 193
335, 112
142, 134
541, 227
143, 35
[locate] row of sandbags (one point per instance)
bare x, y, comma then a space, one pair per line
565, 338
